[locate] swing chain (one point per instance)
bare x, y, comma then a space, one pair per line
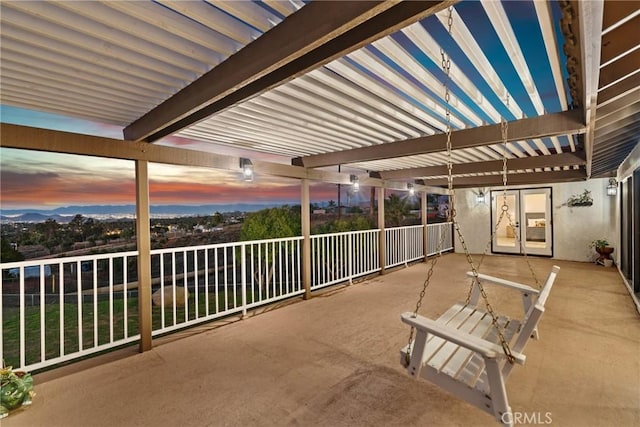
476, 280
446, 67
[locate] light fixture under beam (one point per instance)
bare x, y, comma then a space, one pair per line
480, 197
355, 183
411, 189
247, 169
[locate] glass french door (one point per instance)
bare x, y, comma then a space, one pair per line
526, 221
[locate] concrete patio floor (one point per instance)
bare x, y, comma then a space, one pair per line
334, 361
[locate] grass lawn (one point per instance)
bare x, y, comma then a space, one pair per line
101, 318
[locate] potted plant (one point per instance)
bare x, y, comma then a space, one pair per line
583, 199
17, 390
604, 250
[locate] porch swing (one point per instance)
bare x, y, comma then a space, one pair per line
469, 351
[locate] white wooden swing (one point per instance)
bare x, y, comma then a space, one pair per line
470, 351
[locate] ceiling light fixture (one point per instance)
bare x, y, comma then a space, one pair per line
355, 183
247, 169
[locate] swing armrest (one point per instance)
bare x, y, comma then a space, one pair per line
478, 345
525, 289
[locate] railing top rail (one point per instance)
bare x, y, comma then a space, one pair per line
437, 224
404, 227
224, 245
343, 233
66, 260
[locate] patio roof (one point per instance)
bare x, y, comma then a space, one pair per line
344, 83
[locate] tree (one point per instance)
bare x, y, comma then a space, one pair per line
395, 209
270, 224
8, 254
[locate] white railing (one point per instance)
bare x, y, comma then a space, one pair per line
339, 257
56, 310
405, 244
60, 309
439, 238
202, 283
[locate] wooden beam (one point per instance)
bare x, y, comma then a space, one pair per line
553, 160
29, 138
300, 43
564, 123
513, 179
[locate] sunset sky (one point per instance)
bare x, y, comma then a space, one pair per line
38, 180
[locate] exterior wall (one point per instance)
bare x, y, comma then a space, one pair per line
574, 228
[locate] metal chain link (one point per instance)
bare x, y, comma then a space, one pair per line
446, 67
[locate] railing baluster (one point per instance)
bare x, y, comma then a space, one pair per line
42, 316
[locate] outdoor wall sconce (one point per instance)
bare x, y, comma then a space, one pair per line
412, 190
355, 183
612, 188
480, 197
247, 169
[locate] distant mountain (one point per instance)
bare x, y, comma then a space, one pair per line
66, 213
36, 217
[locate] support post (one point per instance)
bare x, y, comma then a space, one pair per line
382, 237
425, 230
305, 217
143, 239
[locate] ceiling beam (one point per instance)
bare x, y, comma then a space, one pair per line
30, 138
554, 124
549, 161
512, 179
300, 43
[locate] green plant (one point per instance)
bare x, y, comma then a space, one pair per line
583, 199
17, 390
599, 244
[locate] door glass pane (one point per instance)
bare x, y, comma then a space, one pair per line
508, 226
535, 232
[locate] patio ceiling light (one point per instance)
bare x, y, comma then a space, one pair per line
355, 183
247, 169
411, 189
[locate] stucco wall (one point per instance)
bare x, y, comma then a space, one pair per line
573, 227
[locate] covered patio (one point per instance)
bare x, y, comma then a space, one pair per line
396, 96
334, 361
